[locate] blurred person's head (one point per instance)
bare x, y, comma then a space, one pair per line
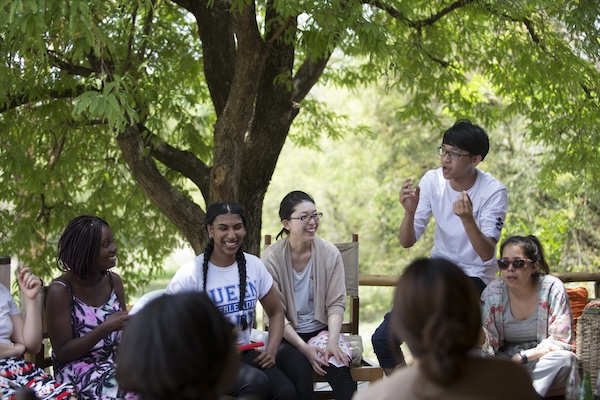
436, 312
178, 346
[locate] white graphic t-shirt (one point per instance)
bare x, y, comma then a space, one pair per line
223, 287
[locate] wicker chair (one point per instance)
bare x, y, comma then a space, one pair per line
588, 338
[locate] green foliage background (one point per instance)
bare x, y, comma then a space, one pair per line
75, 75
356, 181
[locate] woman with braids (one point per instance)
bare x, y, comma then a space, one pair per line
437, 314
527, 317
310, 274
235, 281
86, 310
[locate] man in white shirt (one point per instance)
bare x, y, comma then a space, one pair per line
469, 207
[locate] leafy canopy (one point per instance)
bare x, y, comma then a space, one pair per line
144, 111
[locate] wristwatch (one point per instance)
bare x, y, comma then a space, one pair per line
523, 356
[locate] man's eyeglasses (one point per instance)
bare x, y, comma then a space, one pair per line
503, 264
453, 156
305, 218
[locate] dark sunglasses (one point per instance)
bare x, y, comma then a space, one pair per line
503, 264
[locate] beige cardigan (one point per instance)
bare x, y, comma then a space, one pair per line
328, 276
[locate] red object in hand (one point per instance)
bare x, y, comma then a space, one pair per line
249, 346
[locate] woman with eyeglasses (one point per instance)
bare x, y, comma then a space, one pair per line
310, 275
527, 317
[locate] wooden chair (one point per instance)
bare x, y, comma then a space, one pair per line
41, 359
368, 371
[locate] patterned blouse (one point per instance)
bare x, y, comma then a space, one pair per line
555, 321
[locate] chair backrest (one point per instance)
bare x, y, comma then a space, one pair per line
349, 252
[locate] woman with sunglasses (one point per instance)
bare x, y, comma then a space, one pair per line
310, 274
527, 317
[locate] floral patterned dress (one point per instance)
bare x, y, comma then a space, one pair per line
17, 373
94, 373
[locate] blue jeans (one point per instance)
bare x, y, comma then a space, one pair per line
386, 346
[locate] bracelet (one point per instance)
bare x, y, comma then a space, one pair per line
523, 356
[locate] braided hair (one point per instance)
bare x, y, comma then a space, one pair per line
216, 209
79, 245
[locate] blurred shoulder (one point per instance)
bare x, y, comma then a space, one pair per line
396, 386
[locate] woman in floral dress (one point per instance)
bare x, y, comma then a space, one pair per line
86, 310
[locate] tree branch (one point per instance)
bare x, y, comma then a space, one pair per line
131, 35
184, 162
68, 67
218, 47
308, 75
418, 23
15, 101
535, 38
146, 31
183, 212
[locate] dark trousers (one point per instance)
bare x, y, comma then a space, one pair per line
387, 347
257, 383
296, 366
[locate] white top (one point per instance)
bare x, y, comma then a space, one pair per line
223, 286
490, 203
8, 307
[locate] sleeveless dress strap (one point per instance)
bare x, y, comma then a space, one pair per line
64, 282
67, 284
110, 279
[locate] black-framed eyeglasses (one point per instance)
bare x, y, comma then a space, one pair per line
305, 218
503, 264
453, 156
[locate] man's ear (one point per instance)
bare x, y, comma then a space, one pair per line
477, 159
